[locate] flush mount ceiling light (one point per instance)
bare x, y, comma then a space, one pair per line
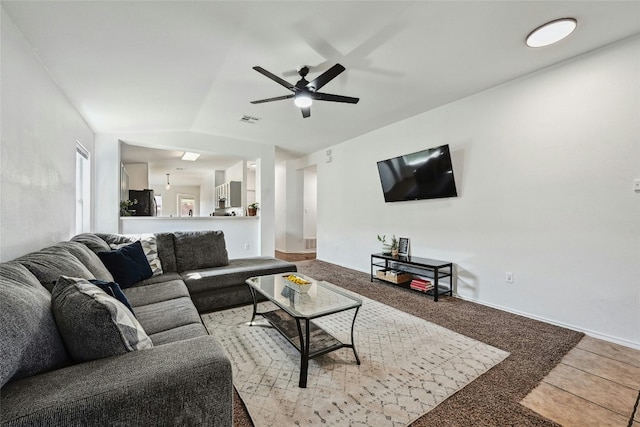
192, 157
551, 32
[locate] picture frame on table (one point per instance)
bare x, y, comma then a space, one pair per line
403, 246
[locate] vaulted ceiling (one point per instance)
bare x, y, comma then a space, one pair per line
132, 66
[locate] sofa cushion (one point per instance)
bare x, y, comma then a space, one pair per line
93, 324
92, 241
234, 274
200, 249
29, 338
50, 263
88, 258
166, 251
168, 314
128, 264
181, 333
161, 291
159, 279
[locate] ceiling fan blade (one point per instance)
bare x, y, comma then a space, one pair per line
335, 98
275, 78
326, 77
306, 112
277, 98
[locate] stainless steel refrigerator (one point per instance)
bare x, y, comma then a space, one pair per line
146, 205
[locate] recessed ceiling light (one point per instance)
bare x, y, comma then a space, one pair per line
551, 32
192, 157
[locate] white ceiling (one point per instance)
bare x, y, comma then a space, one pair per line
132, 66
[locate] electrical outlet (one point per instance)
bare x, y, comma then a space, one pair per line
636, 185
508, 277
246, 246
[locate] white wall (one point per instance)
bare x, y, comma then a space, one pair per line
37, 155
207, 195
281, 206
138, 174
170, 198
544, 167
235, 172
296, 201
310, 203
251, 186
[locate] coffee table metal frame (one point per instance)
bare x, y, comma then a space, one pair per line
273, 287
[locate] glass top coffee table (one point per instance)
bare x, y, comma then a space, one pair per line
298, 304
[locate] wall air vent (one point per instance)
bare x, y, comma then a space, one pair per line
249, 119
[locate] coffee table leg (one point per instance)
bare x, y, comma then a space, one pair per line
304, 353
255, 304
353, 343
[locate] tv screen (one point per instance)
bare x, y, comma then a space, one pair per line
426, 174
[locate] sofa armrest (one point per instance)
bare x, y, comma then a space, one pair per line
182, 383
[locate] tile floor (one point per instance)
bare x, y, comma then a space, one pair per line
596, 384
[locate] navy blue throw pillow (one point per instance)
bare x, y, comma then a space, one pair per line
127, 265
113, 289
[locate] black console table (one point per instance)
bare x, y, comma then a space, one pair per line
413, 266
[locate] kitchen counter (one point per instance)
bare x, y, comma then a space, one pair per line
242, 233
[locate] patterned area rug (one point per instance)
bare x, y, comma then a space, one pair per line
408, 367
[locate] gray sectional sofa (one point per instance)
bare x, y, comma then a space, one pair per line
156, 363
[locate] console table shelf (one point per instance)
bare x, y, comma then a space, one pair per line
408, 266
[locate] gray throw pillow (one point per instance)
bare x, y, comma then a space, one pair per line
88, 258
52, 262
200, 249
29, 338
92, 323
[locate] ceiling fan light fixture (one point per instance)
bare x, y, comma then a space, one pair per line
303, 101
551, 32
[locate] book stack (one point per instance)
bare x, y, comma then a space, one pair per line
421, 285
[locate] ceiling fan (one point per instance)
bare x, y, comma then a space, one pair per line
305, 92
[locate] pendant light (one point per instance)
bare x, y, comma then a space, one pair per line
168, 184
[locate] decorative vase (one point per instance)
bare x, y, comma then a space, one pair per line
221, 203
386, 249
394, 252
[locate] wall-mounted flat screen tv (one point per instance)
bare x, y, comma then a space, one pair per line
426, 174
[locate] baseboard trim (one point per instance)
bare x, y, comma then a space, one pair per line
295, 256
591, 333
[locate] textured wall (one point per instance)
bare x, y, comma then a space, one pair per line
39, 133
